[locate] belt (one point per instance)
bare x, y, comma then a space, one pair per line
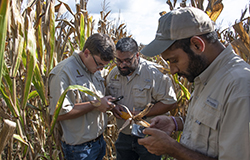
96, 139
93, 140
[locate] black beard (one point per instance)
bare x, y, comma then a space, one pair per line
197, 64
126, 72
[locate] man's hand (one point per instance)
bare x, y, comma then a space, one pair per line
163, 123
158, 142
117, 111
106, 104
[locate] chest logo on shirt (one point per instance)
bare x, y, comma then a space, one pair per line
212, 102
115, 78
79, 74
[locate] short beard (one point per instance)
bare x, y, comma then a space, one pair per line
197, 64
125, 73
130, 69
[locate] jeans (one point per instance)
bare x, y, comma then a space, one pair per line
127, 148
92, 150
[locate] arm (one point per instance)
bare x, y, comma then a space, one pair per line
163, 93
159, 143
80, 109
160, 108
166, 124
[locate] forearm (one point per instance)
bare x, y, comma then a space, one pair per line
179, 123
78, 110
182, 153
160, 108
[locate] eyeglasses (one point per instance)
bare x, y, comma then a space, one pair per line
99, 66
127, 60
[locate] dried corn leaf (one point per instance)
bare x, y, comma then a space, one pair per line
67, 6
60, 9
243, 47
215, 11
242, 33
139, 116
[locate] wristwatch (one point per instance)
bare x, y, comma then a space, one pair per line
95, 103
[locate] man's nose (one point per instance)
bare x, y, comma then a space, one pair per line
173, 69
123, 64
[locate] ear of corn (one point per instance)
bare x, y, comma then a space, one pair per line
125, 115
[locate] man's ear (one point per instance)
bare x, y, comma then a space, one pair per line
137, 54
197, 44
86, 52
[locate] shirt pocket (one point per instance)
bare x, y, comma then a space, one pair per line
205, 131
141, 95
114, 89
81, 96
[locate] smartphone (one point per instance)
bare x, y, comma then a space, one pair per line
137, 131
117, 99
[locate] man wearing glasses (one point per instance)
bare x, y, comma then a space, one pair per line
82, 118
140, 83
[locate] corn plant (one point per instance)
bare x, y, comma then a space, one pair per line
35, 39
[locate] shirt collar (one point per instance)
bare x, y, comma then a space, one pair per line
220, 61
79, 60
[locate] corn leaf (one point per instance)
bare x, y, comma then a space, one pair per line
82, 31
183, 88
40, 45
39, 85
30, 64
215, 12
50, 22
20, 139
60, 102
19, 56
3, 25
89, 26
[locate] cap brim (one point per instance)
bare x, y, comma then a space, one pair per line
156, 47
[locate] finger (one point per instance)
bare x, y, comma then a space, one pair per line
117, 115
142, 141
152, 124
150, 131
112, 105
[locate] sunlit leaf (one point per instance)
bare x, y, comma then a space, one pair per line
82, 31
184, 89
4, 6
61, 99
39, 85
30, 62
215, 12
20, 139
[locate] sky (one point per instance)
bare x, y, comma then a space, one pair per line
141, 16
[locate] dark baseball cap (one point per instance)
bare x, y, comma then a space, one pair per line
178, 24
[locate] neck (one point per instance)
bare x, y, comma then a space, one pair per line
214, 50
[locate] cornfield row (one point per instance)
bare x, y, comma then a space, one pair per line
34, 40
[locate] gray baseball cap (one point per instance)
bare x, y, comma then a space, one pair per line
178, 24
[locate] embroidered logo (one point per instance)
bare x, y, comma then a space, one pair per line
212, 102
79, 74
115, 78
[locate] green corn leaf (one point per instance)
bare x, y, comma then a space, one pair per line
30, 64
82, 32
39, 85
4, 6
183, 88
19, 56
40, 46
60, 102
89, 26
8, 101
7, 79
52, 33
33, 94
20, 139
